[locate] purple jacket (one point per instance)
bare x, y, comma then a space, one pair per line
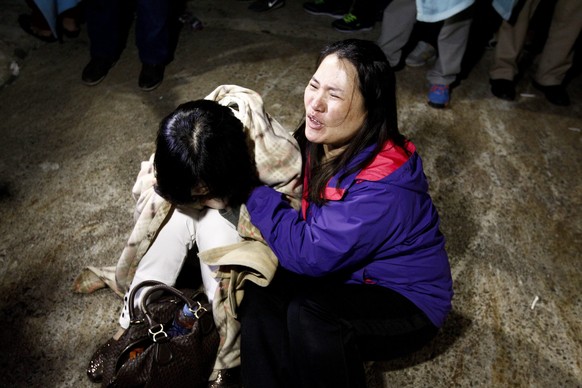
380, 227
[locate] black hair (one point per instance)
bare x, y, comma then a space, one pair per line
202, 146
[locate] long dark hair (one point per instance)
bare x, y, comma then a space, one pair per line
377, 84
202, 145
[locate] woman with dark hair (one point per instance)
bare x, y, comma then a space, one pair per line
363, 272
204, 169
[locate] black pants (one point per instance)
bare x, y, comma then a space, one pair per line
301, 332
109, 23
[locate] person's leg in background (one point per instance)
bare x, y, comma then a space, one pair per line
398, 22
452, 43
421, 47
510, 41
557, 55
108, 25
153, 38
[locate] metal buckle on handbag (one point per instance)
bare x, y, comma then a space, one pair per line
159, 333
198, 311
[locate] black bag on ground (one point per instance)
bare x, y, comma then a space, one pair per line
145, 356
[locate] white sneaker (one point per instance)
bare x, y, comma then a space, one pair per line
422, 53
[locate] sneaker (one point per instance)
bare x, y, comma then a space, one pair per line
151, 76
351, 23
320, 7
266, 5
438, 96
422, 53
96, 70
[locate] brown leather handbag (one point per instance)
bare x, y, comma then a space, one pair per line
145, 356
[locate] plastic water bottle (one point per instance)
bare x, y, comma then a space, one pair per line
183, 322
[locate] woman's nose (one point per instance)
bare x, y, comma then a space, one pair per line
317, 103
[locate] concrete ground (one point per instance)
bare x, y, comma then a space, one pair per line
505, 176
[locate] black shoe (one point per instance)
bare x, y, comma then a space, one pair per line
96, 70
151, 76
556, 94
266, 5
503, 88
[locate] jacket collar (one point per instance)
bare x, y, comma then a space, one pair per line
388, 160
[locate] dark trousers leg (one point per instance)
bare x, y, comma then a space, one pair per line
301, 333
153, 31
264, 337
108, 24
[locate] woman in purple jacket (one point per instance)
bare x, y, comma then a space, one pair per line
363, 269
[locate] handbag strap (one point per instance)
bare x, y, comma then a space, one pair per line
156, 329
132, 295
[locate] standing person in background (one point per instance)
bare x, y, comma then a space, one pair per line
553, 62
363, 272
397, 25
50, 20
108, 25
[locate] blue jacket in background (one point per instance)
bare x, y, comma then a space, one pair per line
437, 10
379, 227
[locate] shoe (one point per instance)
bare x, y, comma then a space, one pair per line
438, 96
351, 23
25, 22
320, 7
226, 378
96, 70
422, 53
556, 94
95, 368
503, 88
266, 5
151, 76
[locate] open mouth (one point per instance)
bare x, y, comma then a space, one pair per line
314, 122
